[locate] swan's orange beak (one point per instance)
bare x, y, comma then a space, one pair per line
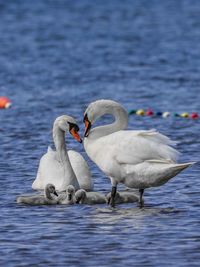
87, 126
75, 134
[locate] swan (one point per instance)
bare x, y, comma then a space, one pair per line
137, 159
89, 198
67, 197
62, 167
123, 197
47, 199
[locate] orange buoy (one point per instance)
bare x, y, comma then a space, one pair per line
4, 102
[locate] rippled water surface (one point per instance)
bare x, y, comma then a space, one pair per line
58, 56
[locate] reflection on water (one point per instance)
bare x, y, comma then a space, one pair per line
122, 214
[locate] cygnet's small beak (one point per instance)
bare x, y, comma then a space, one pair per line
69, 196
55, 193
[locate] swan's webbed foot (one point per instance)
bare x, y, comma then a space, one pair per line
111, 199
141, 201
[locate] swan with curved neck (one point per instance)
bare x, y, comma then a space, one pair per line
138, 159
62, 167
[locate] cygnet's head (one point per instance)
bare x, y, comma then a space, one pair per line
80, 195
50, 189
68, 124
70, 192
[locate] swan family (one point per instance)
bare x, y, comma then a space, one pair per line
138, 159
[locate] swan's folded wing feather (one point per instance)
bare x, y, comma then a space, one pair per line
49, 168
81, 170
156, 137
133, 147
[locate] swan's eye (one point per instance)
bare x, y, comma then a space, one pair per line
73, 126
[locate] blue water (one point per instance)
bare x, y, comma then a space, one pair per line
55, 58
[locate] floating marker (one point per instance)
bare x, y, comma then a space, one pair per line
5, 102
140, 112
133, 111
194, 115
149, 112
166, 114
176, 115
184, 115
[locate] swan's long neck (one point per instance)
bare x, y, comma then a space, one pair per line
59, 141
63, 158
120, 122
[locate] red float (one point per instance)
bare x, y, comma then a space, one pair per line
149, 112
194, 115
4, 102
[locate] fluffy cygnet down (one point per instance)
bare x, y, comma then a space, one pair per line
123, 197
67, 197
89, 198
47, 199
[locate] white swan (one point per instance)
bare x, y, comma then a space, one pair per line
67, 197
138, 159
47, 199
89, 198
62, 167
123, 197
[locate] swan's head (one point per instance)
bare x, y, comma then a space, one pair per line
80, 195
97, 109
68, 124
50, 189
70, 192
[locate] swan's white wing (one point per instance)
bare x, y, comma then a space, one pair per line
113, 152
133, 147
48, 172
81, 170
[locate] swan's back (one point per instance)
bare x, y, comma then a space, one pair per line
81, 170
133, 147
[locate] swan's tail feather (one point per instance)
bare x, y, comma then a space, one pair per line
180, 167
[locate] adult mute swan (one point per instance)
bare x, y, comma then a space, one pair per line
62, 167
138, 159
47, 199
89, 198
